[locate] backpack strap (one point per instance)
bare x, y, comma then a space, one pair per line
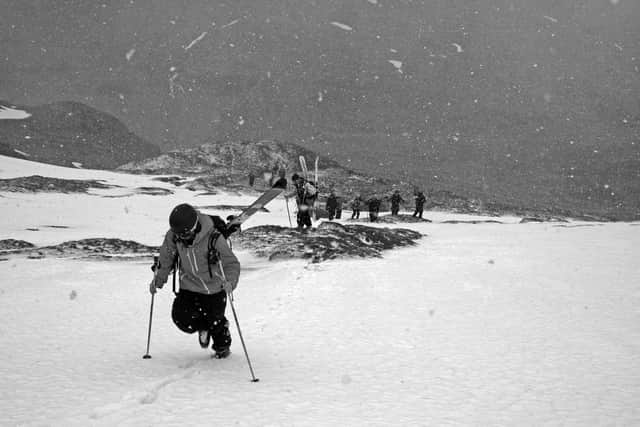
175, 267
212, 252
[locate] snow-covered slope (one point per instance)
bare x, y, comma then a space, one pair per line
479, 324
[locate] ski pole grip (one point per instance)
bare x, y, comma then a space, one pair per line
155, 266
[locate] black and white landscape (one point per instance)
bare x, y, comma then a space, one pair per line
514, 301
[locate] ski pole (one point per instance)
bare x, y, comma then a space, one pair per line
235, 317
286, 201
155, 263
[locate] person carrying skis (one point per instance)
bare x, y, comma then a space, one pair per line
332, 205
374, 208
305, 194
420, 199
355, 207
208, 272
396, 199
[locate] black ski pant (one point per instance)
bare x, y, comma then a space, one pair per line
193, 312
418, 212
394, 210
355, 214
304, 216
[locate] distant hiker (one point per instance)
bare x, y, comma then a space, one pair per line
396, 199
331, 205
252, 179
420, 199
281, 182
355, 207
338, 207
306, 195
195, 248
374, 208
272, 175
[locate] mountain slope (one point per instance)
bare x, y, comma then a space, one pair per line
69, 134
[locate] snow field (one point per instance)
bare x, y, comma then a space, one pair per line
485, 324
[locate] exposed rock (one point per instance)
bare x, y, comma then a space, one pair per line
175, 180
153, 191
37, 183
13, 244
542, 218
330, 240
84, 248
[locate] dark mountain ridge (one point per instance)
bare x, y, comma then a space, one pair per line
71, 134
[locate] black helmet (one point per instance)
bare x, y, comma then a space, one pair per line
295, 176
183, 219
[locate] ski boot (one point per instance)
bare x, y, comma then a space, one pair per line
203, 338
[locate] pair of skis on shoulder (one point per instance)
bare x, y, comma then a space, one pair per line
257, 205
317, 211
305, 170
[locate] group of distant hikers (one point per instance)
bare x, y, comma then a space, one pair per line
196, 250
374, 202
306, 196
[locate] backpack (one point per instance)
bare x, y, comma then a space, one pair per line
306, 192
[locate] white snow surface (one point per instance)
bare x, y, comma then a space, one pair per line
479, 324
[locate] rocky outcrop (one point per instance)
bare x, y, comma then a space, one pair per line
328, 241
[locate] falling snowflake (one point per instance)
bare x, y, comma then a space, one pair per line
397, 64
342, 26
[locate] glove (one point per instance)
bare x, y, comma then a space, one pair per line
153, 286
232, 228
227, 286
